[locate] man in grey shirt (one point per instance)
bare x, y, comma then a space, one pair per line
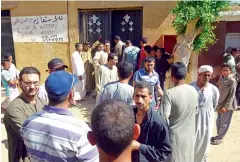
120, 89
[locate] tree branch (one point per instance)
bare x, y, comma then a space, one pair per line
198, 30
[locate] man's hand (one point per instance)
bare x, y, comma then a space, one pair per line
80, 77
135, 145
222, 110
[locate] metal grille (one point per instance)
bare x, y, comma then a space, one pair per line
5, 13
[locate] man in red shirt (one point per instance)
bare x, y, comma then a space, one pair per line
142, 55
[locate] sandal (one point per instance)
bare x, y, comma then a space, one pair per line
216, 142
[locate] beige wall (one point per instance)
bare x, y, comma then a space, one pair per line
156, 21
38, 54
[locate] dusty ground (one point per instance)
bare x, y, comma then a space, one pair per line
229, 151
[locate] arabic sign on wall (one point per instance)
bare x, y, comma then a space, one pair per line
47, 28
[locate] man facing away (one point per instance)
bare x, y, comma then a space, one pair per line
208, 96
19, 110
55, 64
178, 107
118, 49
107, 73
113, 130
227, 103
78, 69
53, 134
120, 89
153, 144
142, 55
130, 54
10, 83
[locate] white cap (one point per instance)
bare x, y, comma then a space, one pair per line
205, 68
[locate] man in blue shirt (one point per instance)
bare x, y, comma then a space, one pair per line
54, 134
149, 75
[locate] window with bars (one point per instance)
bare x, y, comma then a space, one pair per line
5, 13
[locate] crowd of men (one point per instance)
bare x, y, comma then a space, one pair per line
135, 118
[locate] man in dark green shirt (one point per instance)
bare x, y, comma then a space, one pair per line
19, 110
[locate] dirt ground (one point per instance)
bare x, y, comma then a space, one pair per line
228, 151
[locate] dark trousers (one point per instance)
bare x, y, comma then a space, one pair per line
223, 123
162, 80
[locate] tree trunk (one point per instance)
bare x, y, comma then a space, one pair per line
184, 47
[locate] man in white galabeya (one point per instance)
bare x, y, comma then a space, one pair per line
207, 103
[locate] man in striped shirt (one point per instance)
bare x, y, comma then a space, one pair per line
53, 135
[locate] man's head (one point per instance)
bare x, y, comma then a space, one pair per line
59, 87
86, 46
226, 70
143, 95
149, 64
154, 51
5, 63
100, 47
160, 52
234, 52
113, 128
56, 64
107, 45
117, 39
204, 74
147, 50
143, 42
79, 46
8, 56
128, 43
178, 72
125, 70
112, 59
29, 79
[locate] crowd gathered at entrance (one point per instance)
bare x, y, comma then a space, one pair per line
135, 117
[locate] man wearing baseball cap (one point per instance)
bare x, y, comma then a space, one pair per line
54, 134
55, 64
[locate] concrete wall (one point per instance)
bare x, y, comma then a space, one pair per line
156, 22
38, 54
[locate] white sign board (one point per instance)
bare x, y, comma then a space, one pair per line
48, 28
232, 40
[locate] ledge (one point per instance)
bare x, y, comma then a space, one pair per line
8, 6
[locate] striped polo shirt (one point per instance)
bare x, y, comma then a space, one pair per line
53, 135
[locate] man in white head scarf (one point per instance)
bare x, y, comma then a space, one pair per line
207, 103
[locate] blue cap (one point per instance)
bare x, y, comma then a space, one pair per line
59, 84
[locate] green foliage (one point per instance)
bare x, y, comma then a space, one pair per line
207, 11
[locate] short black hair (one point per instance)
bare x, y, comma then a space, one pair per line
112, 124
3, 60
29, 70
142, 85
117, 37
128, 42
125, 69
7, 55
149, 59
77, 45
111, 56
148, 48
155, 48
86, 43
234, 50
226, 65
162, 50
143, 40
179, 70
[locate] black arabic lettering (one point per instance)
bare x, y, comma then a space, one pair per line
60, 17
36, 21
55, 19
